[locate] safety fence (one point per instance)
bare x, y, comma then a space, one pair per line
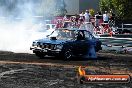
117, 44
124, 28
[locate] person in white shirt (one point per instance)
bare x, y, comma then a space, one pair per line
87, 16
81, 16
105, 17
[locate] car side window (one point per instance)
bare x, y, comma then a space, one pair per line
80, 35
47, 27
53, 26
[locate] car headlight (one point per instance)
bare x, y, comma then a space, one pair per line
34, 44
59, 46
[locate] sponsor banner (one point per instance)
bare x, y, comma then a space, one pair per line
107, 78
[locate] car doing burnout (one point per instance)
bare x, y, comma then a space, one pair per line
66, 43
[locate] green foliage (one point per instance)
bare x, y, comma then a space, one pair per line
103, 5
92, 12
122, 8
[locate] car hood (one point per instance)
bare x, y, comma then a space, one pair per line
51, 41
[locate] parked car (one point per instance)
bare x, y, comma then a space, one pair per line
65, 43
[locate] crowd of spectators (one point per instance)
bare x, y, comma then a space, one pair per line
105, 19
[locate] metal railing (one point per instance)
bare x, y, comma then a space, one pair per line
117, 44
124, 27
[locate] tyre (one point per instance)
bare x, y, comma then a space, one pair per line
67, 54
40, 55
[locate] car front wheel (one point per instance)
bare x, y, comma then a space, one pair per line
40, 55
68, 54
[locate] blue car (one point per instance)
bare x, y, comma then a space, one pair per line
66, 43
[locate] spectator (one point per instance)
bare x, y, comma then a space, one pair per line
87, 16
112, 15
100, 13
97, 17
81, 18
105, 17
111, 18
59, 24
80, 22
77, 17
65, 18
73, 22
100, 18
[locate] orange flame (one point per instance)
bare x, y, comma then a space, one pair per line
81, 71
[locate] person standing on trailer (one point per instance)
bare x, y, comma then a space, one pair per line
87, 16
81, 17
105, 17
97, 17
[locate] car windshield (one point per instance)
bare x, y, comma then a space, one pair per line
63, 34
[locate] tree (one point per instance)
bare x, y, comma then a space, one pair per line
122, 8
92, 12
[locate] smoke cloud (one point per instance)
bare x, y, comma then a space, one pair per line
20, 23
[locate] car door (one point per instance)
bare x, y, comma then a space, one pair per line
79, 43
